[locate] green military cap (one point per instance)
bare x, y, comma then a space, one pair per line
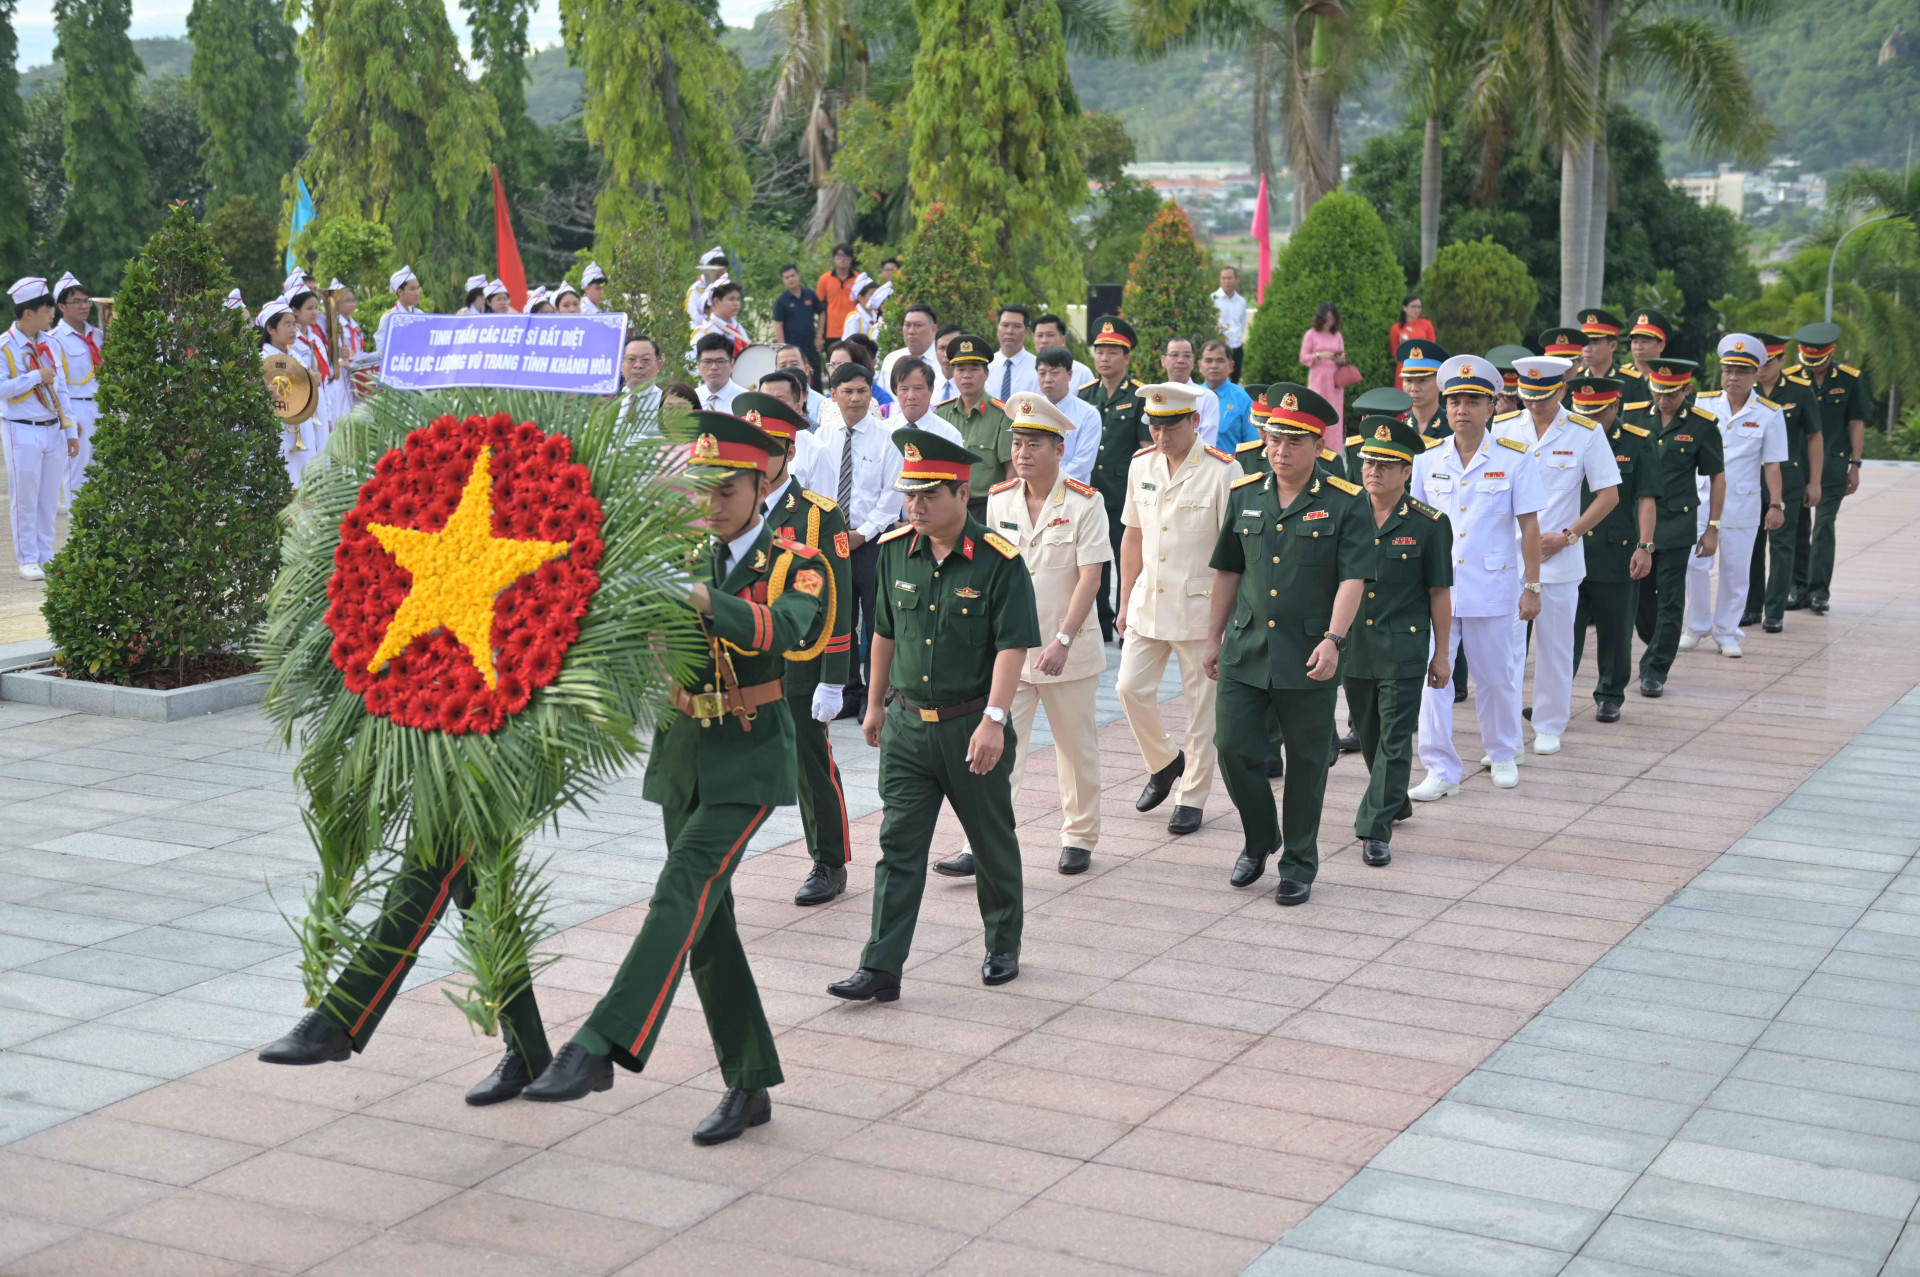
1776, 344
1562, 343
1502, 357
928, 459
1816, 343
1670, 376
1387, 438
1297, 411
724, 444
967, 348
1595, 322
769, 414
1594, 394
1648, 322
1111, 330
1383, 399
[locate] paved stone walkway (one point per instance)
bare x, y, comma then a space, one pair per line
1182, 1074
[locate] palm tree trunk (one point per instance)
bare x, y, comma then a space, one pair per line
1261, 63
1576, 208
1597, 224
833, 214
1430, 194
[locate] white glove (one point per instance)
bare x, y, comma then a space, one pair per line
826, 702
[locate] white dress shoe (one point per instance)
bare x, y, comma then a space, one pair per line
1486, 760
1506, 775
1432, 789
1731, 649
32, 572
1544, 744
1689, 641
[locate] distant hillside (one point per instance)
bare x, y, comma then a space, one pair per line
162, 57
555, 91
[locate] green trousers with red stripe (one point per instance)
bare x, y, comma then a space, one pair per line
414, 903
823, 802
690, 924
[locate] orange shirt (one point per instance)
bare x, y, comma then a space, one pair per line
837, 294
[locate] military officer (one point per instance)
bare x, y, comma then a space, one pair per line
1601, 329
1123, 432
816, 674
981, 420
1840, 390
1252, 456
1646, 341
1572, 457
1556, 343
952, 631
1619, 549
1177, 498
1686, 445
722, 760
1753, 445
1800, 477
1489, 488
1419, 362
1290, 566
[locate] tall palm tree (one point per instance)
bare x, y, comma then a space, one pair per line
1435, 43
824, 66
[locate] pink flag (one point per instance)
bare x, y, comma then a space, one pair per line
1266, 246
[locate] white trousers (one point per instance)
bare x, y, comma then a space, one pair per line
296, 461
1489, 641
1552, 656
1142, 663
1076, 749
1717, 611
37, 461
84, 413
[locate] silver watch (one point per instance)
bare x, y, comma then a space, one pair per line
1532, 587
995, 713
1063, 638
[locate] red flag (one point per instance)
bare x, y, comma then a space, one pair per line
507, 249
1260, 229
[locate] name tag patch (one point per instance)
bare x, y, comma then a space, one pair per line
1494, 474
1405, 541
1006, 523
1683, 438
1060, 522
1317, 514
908, 586
1148, 487
1563, 452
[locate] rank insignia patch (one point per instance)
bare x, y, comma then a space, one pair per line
966, 592
842, 545
808, 581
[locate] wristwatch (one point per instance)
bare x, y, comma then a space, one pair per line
995, 713
1533, 587
1644, 545
1714, 524
1778, 505
1063, 638
1339, 641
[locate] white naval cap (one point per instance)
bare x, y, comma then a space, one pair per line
294, 282
495, 288
715, 256
592, 275
1742, 350
336, 285
235, 301
32, 288
398, 280
1541, 375
1470, 375
271, 311
1171, 398
534, 298
563, 290
65, 282
473, 282
1031, 410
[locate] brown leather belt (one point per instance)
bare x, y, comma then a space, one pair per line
741, 701
941, 713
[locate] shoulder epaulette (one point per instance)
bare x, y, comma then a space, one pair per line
1250, 445
1791, 369
1799, 381
1642, 431
1635, 407
797, 547
1149, 448
1848, 369
1515, 444
1354, 441
1004, 484
900, 531
1001, 544
1709, 394
825, 503
1582, 420
1698, 411
1245, 479
998, 403
1084, 489
1351, 489
1631, 372
1421, 507
1768, 402
1328, 454
1509, 416
1431, 441
1216, 454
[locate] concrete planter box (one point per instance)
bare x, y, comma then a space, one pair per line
36, 686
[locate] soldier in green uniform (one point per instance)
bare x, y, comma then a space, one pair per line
951, 630
1619, 550
1840, 390
1409, 599
1290, 567
982, 421
1502, 357
1419, 365
1252, 456
1123, 432
722, 760
817, 673
1646, 341
1686, 439
1600, 330
1800, 478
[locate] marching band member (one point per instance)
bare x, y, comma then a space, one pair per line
405, 286
713, 269
476, 290
538, 303
278, 328
566, 299
236, 302
76, 347
36, 463
337, 394
593, 289
723, 310
497, 300
310, 348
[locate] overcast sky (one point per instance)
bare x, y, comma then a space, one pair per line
34, 22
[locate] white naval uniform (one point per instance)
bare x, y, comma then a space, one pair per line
1179, 515
294, 459
588, 308
1573, 450
310, 348
1483, 497
36, 446
78, 381
1750, 439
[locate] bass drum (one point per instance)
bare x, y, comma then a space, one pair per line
755, 362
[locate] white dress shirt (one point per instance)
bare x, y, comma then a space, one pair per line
77, 379
1209, 414
1083, 377
586, 305
1233, 317
1083, 445
873, 505
738, 547
640, 410
927, 357
1567, 454
720, 400
1750, 439
1483, 497
933, 423
1024, 376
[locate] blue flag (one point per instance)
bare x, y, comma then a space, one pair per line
302, 214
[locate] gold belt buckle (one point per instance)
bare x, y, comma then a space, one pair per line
708, 705
929, 715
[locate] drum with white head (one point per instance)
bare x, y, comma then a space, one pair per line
753, 363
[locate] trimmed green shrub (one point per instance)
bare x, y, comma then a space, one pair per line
1342, 254
941, 268
1479, 296
1168, 293
176, 535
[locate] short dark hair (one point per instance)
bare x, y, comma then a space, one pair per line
1015, 308
725, 289
792, 378
294, 302
921, 308
849, 371
472, 293
682, 391
713, 341
69, 291
945, 331
1055, 320
1167, 345
854, 351
1216, 343
21, 308
1055, 357
633, 337
905, 367
842, 247
789, 267
865, 343
891, 261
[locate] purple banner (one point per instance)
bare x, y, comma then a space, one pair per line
572, 354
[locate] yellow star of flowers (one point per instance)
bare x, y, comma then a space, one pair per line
458, 572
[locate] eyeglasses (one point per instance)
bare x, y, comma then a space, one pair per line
716, 363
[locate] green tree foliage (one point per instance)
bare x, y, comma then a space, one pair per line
16, 239
647, 278
175, 536
875, 149
659, 107
941, 268
357, 253
1121, 207
499, 44
103, 160
247, 237
1341, 254
243, 83
994, 122
171, 140
1167, 293
1478, 296
396, 131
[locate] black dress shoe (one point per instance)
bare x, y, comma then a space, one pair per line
315, 1040
738, 1109
960, 866
574, 1073
823, 883
1606, 713
1773, 625
1275, 768
1247, 870
1527, 713
1074, 860
867, 985
1374, 852
1749, 618
999, 968
1185, 820
1290, 892
1652, 687
1819, 606
1350, 743
1160, 784
1796, 603
508, 1079
1459, 693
